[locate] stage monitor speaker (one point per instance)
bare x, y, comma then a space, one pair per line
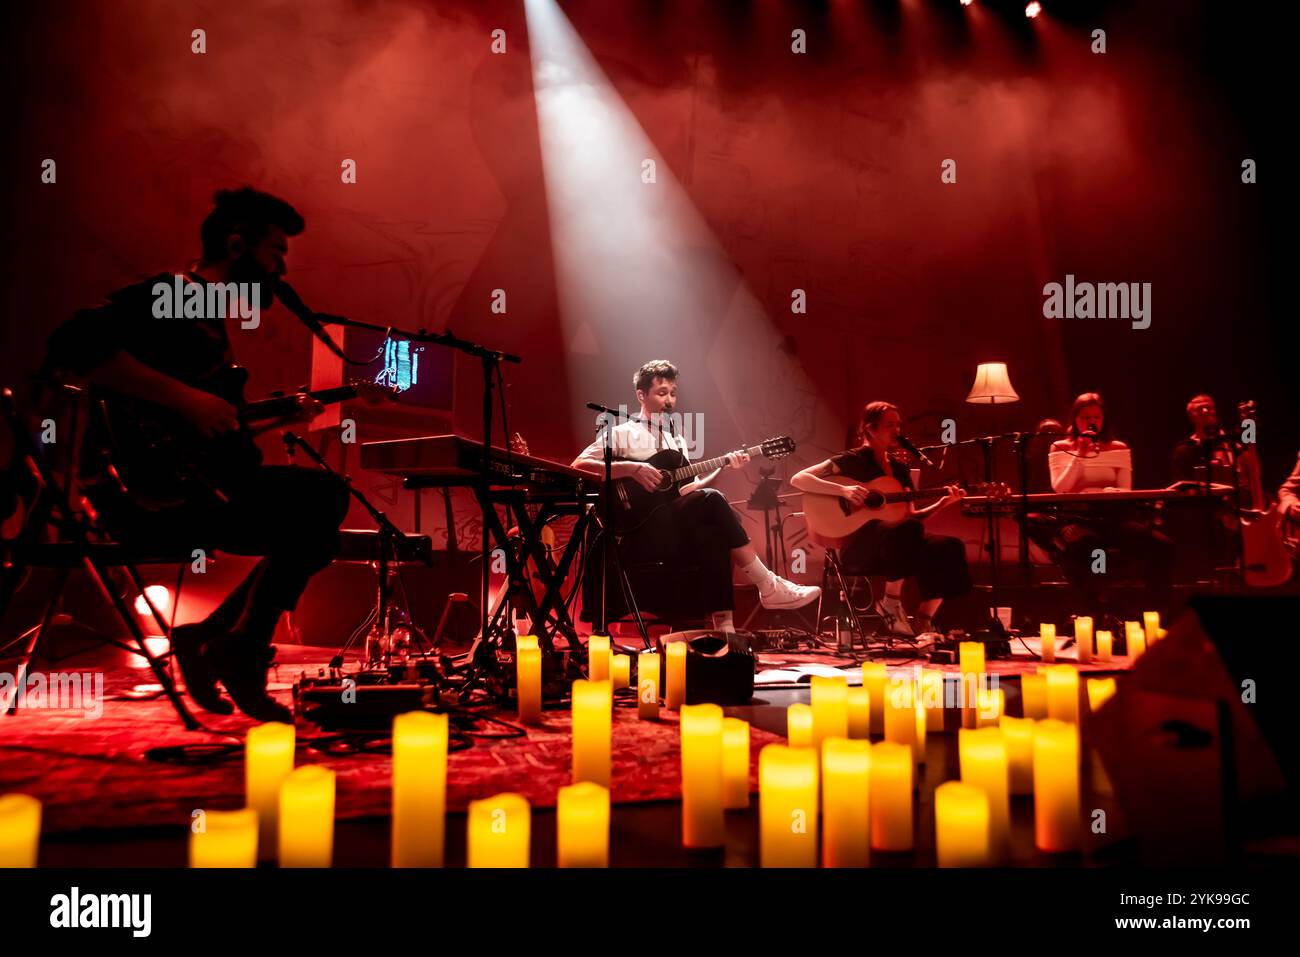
719, 667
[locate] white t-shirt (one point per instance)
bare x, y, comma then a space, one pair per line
1111, 466
635, 440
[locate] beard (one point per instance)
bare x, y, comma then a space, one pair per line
246, 269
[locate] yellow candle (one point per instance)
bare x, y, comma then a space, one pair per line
528, 679
703, 824
621, 670
1100, 690
830, 707
1033, 695
971, 662
419, 789
932, 699
647, 682
499, 831
845, 789
526, 641
900, 714
675, 692
1151, 625
1063, 693
858, 704
224, 839
1056, 786
961, 825
787, 806
1083, 638
593, 709
918, 742
1047, 635
874, 677
1135, 639
891, 796
582, 825
970, 656
983, 757
307, 818
735, 763
1018, 733
990, 704
1105, 641
268, 759
799, 725
598, 658
20, 830
1160, 633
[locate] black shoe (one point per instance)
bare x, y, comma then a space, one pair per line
200, 680
243, 671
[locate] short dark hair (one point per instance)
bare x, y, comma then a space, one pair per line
1081, 403
248, 212
645, 376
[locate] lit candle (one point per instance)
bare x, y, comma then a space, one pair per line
932, 699
1135, 639
1160, 633
528, 680
1063, 693
891, 796
799, 725
1047, 636
845, 788
419, 789
582, 825
598, 658
918, 742
526, 641
675, 691
1033, 695
858, 704
971, 662
593, 708
1018, 733
1100, 690
874, 677
20, 830
703, 824
900, 714
621, 670
647, 682
1105, 641
787, 806
830, 707
1056, 786
307, 817
1083, 638
499, 830
224, 839
982, 754
735, 763
961, 825
268, 759
1151, 625
990, 704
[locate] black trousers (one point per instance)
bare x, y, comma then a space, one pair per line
1074, 545
903, 550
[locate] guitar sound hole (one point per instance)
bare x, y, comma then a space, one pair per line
874, 500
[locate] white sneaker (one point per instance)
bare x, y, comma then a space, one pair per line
894, 619
786, 594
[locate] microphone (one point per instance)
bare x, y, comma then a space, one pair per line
293, 302
906, 443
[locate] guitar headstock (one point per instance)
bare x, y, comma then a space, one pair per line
372, 393
518, 445
778, 447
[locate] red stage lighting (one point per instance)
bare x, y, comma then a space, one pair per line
967, 3
1033, 9
161, 597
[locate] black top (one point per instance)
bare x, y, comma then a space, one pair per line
1189, 460
860, 465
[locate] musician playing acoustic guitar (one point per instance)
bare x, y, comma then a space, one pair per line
896, 549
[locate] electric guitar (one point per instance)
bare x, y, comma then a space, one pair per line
832, 518
634, 505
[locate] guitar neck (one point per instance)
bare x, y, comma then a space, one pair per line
708, 465
282, 405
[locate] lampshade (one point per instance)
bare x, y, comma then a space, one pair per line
992, 384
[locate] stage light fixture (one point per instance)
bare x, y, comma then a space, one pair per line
1033, 9
160, 595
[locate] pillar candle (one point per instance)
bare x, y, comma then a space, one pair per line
1083, 638
268, 759
1160, 633
787, 806
971, 663
858, 705
499, 829
1018, 733
891, 796
1136, 640
982, 754
621, 670
526, 641
703, 824
918, 742
1063, 693
830, 707
593, 707
528, 684
990, 705
1056, 786
20, 830
419, 789
900, 714
1105, 642
873, 679
307, 817
1033, 695
799, 725
1151, 625
1100, 690
647, 682
598, 658
845, 790
1047, 636
961, 825
932, 699
224, 839
582, 825
675, 690
735, 763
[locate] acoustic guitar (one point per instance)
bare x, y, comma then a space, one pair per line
833, 519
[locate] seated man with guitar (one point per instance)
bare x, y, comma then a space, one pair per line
662, 499
863, 501
171, 458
